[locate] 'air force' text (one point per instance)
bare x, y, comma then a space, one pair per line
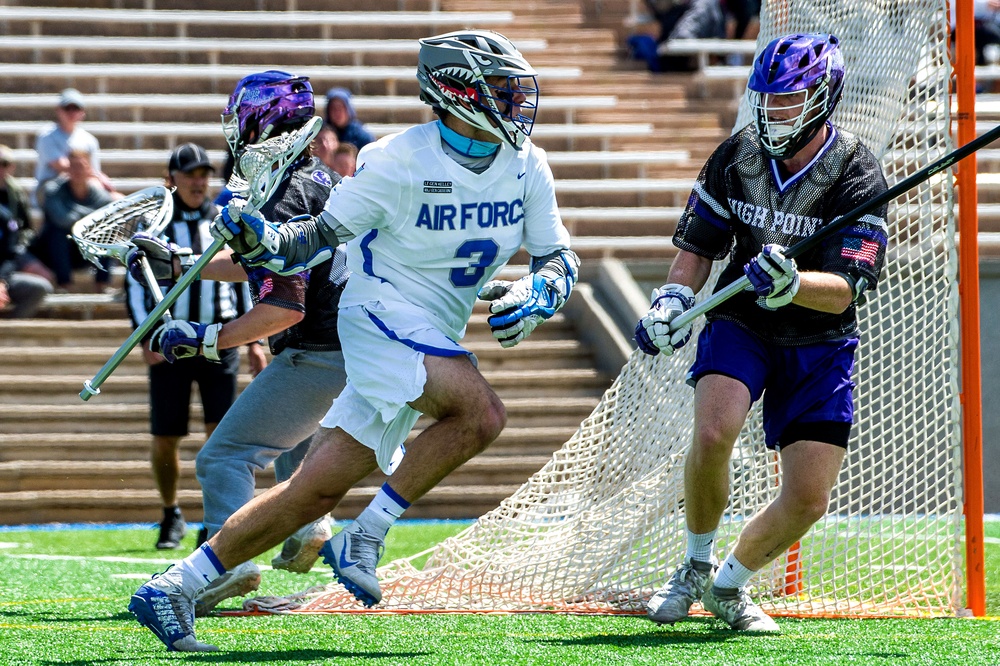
484, 215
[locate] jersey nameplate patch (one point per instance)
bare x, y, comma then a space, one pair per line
437, 186
322, 178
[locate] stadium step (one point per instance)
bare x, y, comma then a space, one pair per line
70, 506
98, 416
53, 389
84, 361
51, 475
514, 442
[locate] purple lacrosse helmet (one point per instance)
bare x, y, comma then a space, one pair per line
810, 63
266, 104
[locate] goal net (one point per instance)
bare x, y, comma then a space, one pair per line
601, 525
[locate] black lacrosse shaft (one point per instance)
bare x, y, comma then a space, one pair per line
899, 188
736, 286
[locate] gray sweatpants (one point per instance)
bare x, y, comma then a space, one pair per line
275, 416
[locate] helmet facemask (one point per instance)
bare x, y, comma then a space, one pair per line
784, 129
806, 65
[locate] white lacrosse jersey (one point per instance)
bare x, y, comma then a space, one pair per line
436, 231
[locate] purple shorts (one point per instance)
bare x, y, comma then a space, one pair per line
806, 389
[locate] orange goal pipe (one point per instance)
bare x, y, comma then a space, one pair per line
968, 289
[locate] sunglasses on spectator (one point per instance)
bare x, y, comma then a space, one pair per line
4, 164
72, 108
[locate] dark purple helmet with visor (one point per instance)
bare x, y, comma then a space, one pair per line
809, 63
266, 104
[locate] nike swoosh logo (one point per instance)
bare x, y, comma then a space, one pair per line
731, 566
387, 512
521, 175
344, 562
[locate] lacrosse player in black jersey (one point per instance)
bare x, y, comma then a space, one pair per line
791, 339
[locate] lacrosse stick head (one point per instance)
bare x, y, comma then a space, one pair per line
108, 231
261, 166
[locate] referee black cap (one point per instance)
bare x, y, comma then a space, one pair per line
187, 157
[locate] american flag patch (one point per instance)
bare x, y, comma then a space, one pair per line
859, 249
266, 287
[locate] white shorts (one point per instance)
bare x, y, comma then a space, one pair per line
384, 349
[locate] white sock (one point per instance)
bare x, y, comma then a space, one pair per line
732, 574
200, 568
699, 546
383, 511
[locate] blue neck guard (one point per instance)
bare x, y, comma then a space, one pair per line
465, 145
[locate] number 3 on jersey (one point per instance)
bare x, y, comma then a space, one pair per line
482, 252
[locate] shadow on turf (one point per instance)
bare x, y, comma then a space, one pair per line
694, 631
257, 657
56, 615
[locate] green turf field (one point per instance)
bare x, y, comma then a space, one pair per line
63, 596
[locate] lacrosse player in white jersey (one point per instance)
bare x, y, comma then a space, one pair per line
432, 213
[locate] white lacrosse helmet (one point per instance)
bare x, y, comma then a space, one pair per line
452, 71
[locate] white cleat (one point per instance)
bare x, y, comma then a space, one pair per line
354, 555
162, 606
686, 585
237, 582
740, 613
301, 550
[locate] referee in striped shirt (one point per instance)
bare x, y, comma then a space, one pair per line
207, 302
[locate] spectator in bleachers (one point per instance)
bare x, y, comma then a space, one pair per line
340, 115
325, 144
207, 302
678, 19
987, 30
744, 14
24, 281
65, 200
345, 160
55, 142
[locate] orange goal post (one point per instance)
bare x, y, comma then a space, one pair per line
601, 525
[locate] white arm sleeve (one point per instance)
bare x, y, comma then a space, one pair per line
544, 232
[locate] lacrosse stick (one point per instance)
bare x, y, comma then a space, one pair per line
258, 173
850, 217
108, 231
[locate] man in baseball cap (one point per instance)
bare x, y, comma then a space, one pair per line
55, 141
70, 97
187, 157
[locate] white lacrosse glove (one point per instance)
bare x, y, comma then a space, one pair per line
519, 307
160, 254
248, 234
773, 276
652, 332
179, 339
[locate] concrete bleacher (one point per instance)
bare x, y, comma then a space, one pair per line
622, 144
704, 50
182, 23
357, 52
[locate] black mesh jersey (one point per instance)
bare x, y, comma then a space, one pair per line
315, 292
741, 202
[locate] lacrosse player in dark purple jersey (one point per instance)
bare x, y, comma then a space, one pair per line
275, 416
791, 339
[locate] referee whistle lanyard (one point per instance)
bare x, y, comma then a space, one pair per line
465, 145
